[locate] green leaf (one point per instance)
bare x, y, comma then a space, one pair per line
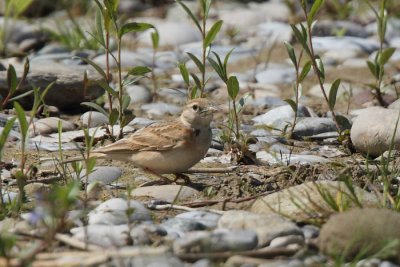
107, 88
187, 10
95, 66
21, 96
23, 123
242, 102
301, 37
386, 54
139, 71
155, 39
233, 87
314, 9
320, 67
290, 51
95, 107
133, 27
113, 117
196, 61
206, 4
218, 68
126, 100
333, 93
292, 104
194, 92
185, 73
99, 28
226, 59
196, 80
11, 79
212, 33
4, 134
304, 72
373, 68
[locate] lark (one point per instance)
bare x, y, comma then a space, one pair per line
169, 147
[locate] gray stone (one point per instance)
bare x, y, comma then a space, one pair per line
304, 202
102, 174
267, 227
138, 94
312, 126
360, 45
50, 125
395, 105
172, 33
333, 27
218, 240
177, 227
208, 219
117, 235
276, 75
116, 211
168, 193
166, 260
277, 31
281, 116
310, 231
129, 59
9, 196
93, 119
160, 109
285, 241
67, 91
275, 157
141, 122
369, 263
365, 231
373, 130
387, 264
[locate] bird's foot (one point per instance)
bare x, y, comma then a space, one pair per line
161, 181
184, 177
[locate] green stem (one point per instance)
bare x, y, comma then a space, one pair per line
120, 108
203, 74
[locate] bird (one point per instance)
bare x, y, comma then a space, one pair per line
167, 147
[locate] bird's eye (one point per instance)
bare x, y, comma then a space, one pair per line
195, 107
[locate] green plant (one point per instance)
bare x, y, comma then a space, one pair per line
155, 40
304, 37
13, 9
377, 66
14, 85
297, 88
207, 38
107, 22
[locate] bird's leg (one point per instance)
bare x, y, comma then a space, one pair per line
184, 177
161, 181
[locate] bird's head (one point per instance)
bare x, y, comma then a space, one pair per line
198, 113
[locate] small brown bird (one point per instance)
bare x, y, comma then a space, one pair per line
167, 147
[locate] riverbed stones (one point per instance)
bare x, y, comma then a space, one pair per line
305, 202
361, 231
68, 90
168, 193
374, 129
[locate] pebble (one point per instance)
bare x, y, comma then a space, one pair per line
280, 116
310, 231
9, 196
160, 109
93, 119
208, 219
274, 158
267, 227
166, 260
373, 129
50, 125
309, 126
67, 90
177, 227
365, 230
218, 240
298, 202
115, 212
286, 241
359, 45
138, 94
276, 75
102, 174
169, 193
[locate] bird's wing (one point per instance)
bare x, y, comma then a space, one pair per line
155, 137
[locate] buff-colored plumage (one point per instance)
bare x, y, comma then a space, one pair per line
167, 147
